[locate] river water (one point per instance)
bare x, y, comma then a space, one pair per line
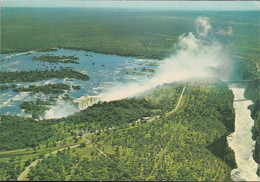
241, 140
105, 71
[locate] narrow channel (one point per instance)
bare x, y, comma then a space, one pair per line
241, 140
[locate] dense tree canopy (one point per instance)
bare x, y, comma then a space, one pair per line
18, 133
57, 59
174, 147
36, 75
52, 88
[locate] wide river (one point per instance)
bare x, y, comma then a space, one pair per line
241, 140
105, 71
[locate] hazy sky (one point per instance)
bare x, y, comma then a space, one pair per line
180, 5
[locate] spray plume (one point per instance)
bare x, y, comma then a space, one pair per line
203, 26
195, 58
62, 109
229, 31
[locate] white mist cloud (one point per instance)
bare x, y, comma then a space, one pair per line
194, 59
62, 109
203, 26
229, 31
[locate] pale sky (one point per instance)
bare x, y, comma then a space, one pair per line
160, 5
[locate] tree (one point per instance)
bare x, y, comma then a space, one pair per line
82, 145
28, 162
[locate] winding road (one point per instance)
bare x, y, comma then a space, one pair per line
178, 102
27, 169
22, 175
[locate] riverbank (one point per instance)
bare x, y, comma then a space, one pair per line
241, 140
252, 90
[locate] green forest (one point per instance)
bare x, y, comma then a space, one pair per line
173, 147
57, 59
19, 133
135, 33
131, 143
5, 87
37, 108
36, 75
252, 92
98, 116
52, 88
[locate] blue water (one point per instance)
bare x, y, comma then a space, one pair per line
105, 71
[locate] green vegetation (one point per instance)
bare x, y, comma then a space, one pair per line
57, 59
147, 69
255, 114
88, 55
108, 114
35, 109
102, 115
19, 133
12, 163
249, 70
143, 34
70, 61
252, 92
171, 148
38, 108
11, 169
5, 87
221, 149
165, 97
48, 49
36, 75
120, 113
52, 88
176, 147
76, 87
66, 97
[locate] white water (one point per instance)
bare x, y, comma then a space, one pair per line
84, 102
241, 140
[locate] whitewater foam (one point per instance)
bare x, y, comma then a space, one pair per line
62, 109
241, 140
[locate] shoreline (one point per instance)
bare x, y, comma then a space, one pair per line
84, 49
241, 139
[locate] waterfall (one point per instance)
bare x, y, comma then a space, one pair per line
84, 102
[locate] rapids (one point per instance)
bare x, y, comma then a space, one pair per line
241, 140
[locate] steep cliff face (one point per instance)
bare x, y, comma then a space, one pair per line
221, 149
255, 115
89, 101
252, 91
